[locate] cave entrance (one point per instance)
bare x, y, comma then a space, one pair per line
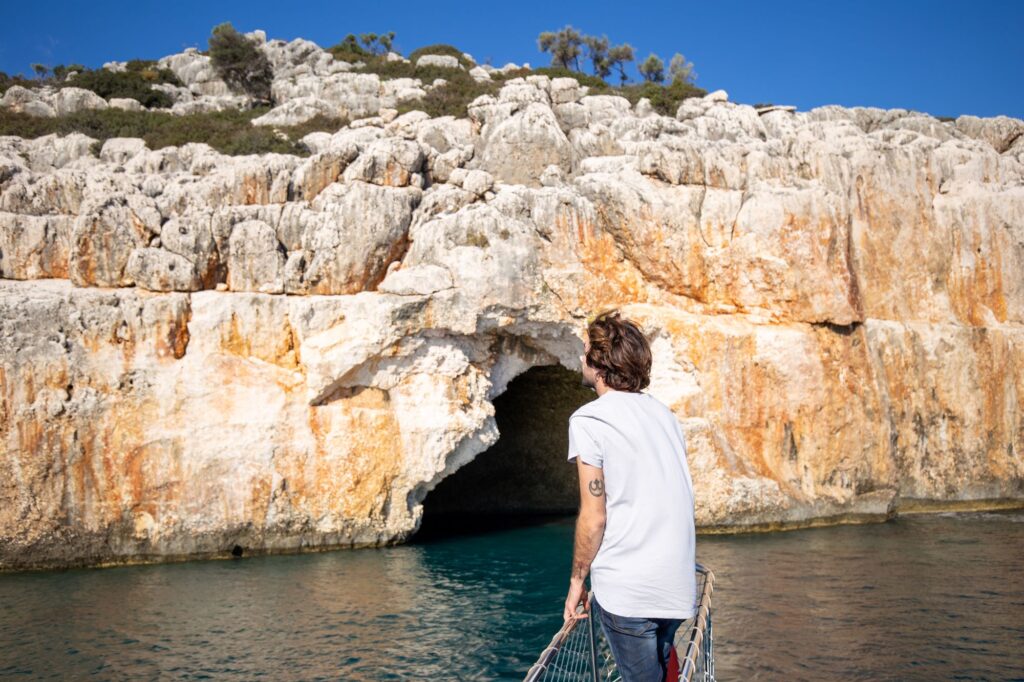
524, 478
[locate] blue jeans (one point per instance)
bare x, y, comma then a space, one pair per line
641, 646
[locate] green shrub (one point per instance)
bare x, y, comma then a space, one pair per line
240, 62
138, 65
389, 70
318, 123
593, 82
61, 71
450, 99
441, 49
664, 99
349, 50
230, 132
135, 83
149, 71
130, 84
7, 81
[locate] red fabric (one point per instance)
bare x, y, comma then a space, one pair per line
673, 665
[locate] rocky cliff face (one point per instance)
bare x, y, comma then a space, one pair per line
200, 351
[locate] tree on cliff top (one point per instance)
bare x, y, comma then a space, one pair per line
240, 62
597, 52
680, 70
618, 56
563, 45
653, 69
566, 46
377, 44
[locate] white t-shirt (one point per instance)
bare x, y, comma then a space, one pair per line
645, 564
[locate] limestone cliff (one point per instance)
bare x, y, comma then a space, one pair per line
199, 351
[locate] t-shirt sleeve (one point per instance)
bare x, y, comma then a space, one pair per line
583, 441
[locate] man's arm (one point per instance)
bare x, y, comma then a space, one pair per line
589, 531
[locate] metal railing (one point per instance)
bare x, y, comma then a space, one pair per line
579, 650
697, 658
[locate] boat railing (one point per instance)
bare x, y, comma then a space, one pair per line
579, 650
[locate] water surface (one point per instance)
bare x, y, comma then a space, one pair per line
922, 597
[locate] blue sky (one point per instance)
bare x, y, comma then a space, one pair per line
941, 57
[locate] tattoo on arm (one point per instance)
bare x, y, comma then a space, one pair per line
596, 487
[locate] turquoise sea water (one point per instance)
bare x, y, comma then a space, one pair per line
922, 597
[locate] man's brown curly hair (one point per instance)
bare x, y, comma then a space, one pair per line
619, 352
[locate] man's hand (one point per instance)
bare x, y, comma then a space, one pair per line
577, 594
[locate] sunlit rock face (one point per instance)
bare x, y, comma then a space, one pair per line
200, 351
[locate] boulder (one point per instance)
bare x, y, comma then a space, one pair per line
158, 270
441, 60
360, 230
517, 149
255, 259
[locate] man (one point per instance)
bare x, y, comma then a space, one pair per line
635, 531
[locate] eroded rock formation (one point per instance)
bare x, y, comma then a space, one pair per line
199, 351
307, 81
